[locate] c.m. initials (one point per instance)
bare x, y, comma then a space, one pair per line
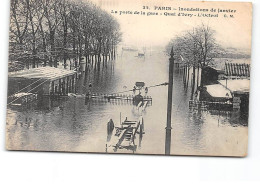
229, 16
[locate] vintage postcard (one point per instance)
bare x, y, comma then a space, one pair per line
129, 76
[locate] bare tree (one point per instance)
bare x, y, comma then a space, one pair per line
62, 29
50, 8
196, 48
64, 12
19, 20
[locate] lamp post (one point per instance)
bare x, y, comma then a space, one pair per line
169, 107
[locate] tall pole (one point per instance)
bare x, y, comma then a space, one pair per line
169, 107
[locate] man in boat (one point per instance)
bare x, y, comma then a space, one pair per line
138, 98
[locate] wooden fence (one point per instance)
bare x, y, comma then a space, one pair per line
237, 70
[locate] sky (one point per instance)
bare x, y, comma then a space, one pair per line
159, 30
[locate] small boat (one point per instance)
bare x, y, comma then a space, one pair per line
141, 54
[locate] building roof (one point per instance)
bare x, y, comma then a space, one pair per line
236, 69
236, 85
47, 73
231, 66
218, 91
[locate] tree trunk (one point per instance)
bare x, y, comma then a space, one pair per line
193, 82
52, 43
64, 47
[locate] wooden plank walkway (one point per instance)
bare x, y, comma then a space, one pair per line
118, 97
112, 98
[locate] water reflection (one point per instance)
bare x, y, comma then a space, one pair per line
79, 124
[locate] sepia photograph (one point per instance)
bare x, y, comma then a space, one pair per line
129, 77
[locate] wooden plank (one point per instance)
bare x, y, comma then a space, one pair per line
122, 136
233, 69
139, 105
236, 69
243, 69
230, 67
248, 68
133, 137
239, 70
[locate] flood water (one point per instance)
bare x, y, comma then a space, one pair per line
74, 125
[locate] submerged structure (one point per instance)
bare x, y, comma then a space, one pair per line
227, 88
47, 81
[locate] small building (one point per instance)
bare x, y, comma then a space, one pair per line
228, 83
42, 81
217, 92
229, 91
210, 75
239, 89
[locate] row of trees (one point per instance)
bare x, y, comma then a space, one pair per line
196, 47
53, 30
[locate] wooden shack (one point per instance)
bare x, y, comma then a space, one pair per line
46, 81
210, 75
239, 89
231, 83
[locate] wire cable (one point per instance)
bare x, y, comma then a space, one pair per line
163, 84
23, 88
28, 92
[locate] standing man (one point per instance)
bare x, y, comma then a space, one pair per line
110, 128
